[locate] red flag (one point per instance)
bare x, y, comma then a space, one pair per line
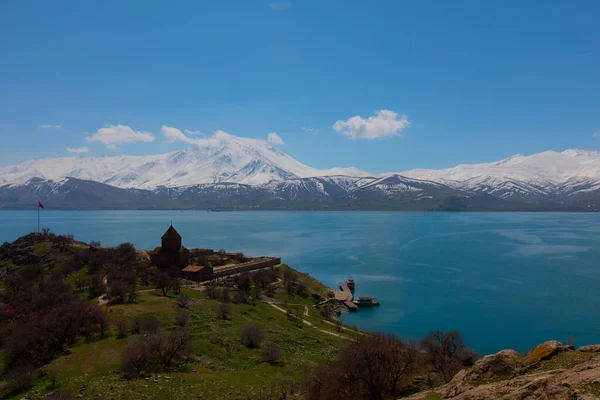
8, 310
40, 205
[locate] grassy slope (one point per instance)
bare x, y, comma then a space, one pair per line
223, 367
220, 371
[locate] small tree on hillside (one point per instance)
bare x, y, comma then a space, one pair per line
183, 300
370, 367
138, 356
252, 336
447, 353
163, 281
223, 310
271, 353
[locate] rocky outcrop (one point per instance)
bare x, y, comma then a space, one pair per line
545, 351
503, 365
506, 375
595, 348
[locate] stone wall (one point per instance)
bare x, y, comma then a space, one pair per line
219, 272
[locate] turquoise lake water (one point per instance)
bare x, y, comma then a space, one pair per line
505, 280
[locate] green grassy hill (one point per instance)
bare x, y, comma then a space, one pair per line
221, 366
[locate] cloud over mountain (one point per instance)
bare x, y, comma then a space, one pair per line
383, 124
275, 139
83, 149
111, 136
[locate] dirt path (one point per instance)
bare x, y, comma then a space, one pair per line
308, 323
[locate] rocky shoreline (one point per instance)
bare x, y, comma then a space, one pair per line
551, 370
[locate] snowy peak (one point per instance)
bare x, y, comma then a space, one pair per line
540, 174
221, 158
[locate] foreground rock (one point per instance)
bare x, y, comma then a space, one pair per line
545, 351
506, 375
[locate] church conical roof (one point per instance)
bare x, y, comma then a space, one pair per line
171, 233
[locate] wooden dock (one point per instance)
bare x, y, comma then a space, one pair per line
351, 306
345, 288
345, 294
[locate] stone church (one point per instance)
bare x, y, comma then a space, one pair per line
171, 254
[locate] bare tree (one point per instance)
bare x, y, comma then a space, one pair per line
96, 285
183, 300
138, 356
169, 347
371, 368
117, 291
252, 336
447, 353
163, 281
271, 353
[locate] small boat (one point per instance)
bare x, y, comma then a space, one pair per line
351, 284
366, 302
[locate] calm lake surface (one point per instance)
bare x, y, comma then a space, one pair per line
505, 280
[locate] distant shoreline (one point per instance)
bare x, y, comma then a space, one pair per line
48, 209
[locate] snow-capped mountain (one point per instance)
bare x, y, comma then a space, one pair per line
224, 158
228, 172
544, 174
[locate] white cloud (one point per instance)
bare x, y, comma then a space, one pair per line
195, 133
309, 130
384, 123
597, 133
11, 156
275, 139
83, 149
50, 126
280, 5
175, 135
111, 136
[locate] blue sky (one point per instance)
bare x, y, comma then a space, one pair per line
476, 80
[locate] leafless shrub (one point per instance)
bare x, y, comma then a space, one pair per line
171, 347
183, 300
138, 356
146, 354
223, 310
371, 367
96, 285
224, 295
52, 377
252, 336
240, 297
150, 325
271, 353
121, 328
136, 326
211, 292
181, 319
21, 378
447, 353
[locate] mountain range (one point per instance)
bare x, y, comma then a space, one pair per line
233, 173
